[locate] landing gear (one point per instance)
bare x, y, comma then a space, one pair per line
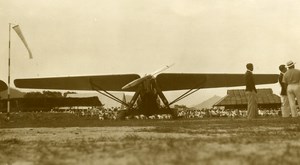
174, 113
122, 114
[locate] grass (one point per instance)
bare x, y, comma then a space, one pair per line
72, 140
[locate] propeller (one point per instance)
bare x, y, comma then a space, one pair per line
147, 76
161, 69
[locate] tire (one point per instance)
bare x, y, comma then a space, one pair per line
121, 115
174, 113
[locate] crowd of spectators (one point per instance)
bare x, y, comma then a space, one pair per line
111, 113
229, 113
94, 112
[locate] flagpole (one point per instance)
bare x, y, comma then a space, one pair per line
19, 33
8, 89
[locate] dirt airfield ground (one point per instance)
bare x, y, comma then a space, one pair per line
55, 139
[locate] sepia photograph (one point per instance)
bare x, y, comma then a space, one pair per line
140, 82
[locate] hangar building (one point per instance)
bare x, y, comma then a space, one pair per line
236, 99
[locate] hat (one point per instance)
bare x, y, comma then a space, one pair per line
290, 63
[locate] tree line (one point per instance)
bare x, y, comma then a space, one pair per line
47, 94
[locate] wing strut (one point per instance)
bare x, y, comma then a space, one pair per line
186, 94
107, 94
189, 92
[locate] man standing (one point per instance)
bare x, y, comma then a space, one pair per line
285, 107
292, 79
251, 92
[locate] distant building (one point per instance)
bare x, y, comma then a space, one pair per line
47, 103
236, 99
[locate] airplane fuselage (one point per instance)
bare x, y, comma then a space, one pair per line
149, 99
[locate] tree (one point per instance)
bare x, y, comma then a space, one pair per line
68, 92
43, 94
52, 94
180, 106
33, 95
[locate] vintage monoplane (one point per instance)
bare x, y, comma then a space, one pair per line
148, 90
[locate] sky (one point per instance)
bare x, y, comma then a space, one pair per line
96, 37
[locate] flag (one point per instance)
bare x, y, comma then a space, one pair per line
19, 32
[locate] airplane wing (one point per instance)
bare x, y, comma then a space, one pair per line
184, 81
105, 82
3, 86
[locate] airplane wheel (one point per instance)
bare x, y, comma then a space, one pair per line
121, 115
174, 113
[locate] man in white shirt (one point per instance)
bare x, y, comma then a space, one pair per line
292, 79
